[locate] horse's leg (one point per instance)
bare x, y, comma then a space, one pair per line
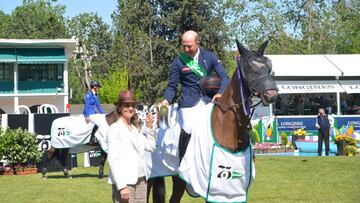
149, 186
63, 155
178, 189
45, 161
159, 190
103, 157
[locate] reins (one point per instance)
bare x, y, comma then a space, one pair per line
236, 107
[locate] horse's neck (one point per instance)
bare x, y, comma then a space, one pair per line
112, 117
229, 128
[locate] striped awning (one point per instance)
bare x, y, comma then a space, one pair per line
40, 56
7, 55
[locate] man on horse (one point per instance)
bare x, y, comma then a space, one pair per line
187, 69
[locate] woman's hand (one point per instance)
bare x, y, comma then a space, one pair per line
149, 120
125, 193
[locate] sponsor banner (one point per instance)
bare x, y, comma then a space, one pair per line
349, 125
268, 130
290, 124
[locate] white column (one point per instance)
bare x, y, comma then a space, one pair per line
338, 103
66, 86
16, 92
271, 110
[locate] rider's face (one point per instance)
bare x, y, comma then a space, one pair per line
189, 46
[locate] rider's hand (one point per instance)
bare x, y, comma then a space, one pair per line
165, 102
216, 96
125, 193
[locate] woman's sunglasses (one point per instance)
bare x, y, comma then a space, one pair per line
129, 105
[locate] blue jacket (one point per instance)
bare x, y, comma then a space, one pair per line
91, 103
190, 89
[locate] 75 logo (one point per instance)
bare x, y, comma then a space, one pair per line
227, 173
62, 132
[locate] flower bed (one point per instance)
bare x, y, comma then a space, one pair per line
7, 170
263, 148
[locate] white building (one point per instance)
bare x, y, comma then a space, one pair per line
307, 81
34, 72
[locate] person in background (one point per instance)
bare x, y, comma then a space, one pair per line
126, 152
91, 101
323, 125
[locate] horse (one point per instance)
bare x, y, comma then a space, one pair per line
231, 113
62, 153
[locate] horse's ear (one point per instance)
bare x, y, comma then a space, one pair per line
241, 48
261, 49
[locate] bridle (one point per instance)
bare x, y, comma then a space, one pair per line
235, 108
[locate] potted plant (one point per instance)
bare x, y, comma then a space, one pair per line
350, 150
342, 141
297, 135
19, 148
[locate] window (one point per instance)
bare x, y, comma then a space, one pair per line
41, 72
6, 72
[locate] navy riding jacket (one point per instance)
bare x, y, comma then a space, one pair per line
190, 89
91, 103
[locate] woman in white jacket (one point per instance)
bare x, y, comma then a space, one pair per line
126, 148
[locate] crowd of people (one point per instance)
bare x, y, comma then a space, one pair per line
308, 104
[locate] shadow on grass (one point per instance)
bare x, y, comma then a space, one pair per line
84, 175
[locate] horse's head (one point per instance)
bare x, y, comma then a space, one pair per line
256, 71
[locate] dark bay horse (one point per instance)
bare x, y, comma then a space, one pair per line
110, 118
231, 114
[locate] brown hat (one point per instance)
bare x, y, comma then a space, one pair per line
126, 96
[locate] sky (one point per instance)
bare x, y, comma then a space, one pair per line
103, 8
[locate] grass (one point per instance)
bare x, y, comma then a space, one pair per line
278, 179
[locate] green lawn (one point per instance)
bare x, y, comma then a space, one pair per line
278, 179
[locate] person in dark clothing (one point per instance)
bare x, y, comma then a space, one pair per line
323, 126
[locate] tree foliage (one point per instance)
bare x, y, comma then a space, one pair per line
37, 20
91, 59
4, 24
147, 38
297, 27
138, 50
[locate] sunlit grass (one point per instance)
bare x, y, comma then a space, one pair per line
278, 179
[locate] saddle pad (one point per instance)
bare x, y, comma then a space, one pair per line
73, 131
215, 173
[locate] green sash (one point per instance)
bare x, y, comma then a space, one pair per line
193, 65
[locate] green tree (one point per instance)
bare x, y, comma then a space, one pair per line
347, 14
297, 27
4, 23
37, 20
92, 59
147, 38
112, 85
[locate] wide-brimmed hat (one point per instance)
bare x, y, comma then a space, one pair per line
126, 96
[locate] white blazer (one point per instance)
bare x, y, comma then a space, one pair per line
126, 149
